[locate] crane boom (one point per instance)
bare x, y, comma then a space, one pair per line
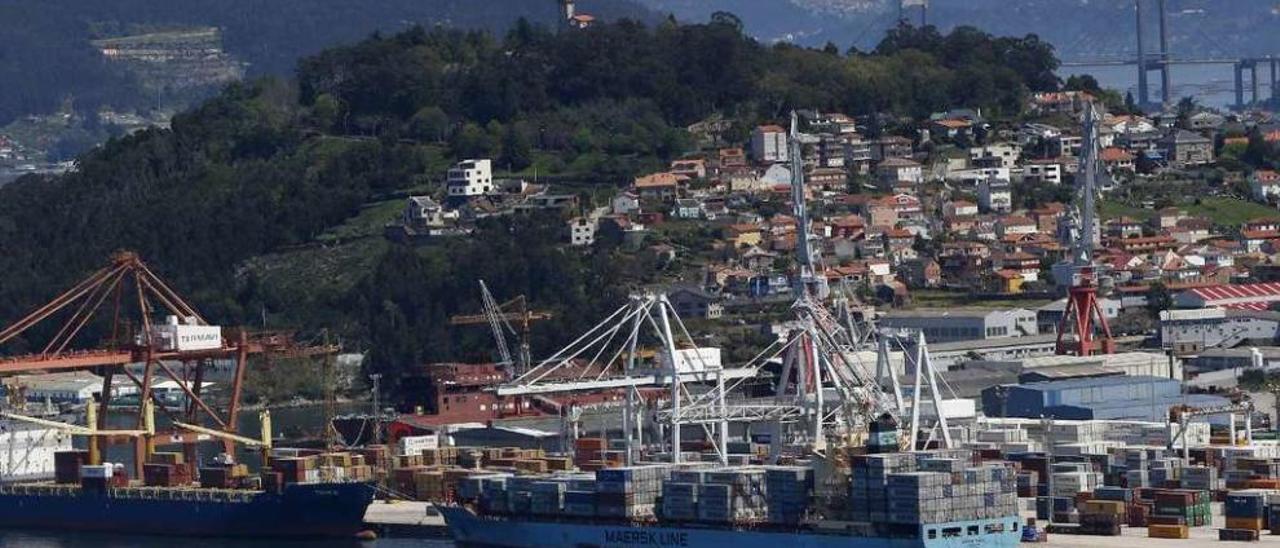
73, 429
497, 317
264, 443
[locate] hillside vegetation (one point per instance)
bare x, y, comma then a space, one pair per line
267, 184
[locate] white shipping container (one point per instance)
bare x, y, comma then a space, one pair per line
173, 336
414, 445
693, 360
100, 471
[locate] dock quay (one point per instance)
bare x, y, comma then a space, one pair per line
403, 518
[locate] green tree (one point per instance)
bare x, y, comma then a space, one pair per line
517, 153
471, 141
429, 124
326, 112
1158, 299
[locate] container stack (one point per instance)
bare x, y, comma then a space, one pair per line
472, 487
1179, 508
870, 476
1103, 517
493, 494
547, 498
1070, 484
788, 490
299, 469
96, 478
1028, 484
1200, 478
66, 465
680, 499
629, 492
166, 470
918, 497
1162, 473
580, 503
1246, 513
733, 495
224, 477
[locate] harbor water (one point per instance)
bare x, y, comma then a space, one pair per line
55, 539
1211, 84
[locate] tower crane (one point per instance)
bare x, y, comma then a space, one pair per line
499, 317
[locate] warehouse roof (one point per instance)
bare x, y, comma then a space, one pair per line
1070, 384
1237, 291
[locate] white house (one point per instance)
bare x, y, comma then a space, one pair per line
894, 170
970, 178
995, 155
1264, 184
1043, 171
423, 212
769, 144
959, 208
995, 196
470, 178
626, 203
582, 231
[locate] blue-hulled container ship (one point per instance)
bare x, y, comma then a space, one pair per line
942, 498
470, 529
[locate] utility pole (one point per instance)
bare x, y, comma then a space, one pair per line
377, 406
1047, 421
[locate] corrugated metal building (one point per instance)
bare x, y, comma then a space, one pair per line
1144, 398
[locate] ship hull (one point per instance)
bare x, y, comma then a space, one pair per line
301, 511
469, 529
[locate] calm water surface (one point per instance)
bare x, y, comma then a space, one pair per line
51, 539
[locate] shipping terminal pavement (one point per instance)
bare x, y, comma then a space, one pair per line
418, 519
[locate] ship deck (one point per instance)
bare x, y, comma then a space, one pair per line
191, 493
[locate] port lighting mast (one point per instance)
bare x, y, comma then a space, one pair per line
1083, 330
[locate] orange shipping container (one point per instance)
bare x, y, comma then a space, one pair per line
1169, 531
1254, 524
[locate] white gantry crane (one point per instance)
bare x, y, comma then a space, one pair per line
644, 344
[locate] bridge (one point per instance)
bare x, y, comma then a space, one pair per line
1160, 60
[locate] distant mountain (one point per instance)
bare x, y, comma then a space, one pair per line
1079, 29
46, 56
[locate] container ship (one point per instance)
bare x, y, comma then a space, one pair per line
941, 498
299, 495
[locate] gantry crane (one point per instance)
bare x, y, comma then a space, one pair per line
134, 296
499, 317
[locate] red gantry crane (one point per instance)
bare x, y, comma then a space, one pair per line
125, 297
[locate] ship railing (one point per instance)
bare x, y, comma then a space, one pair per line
183, 494
43, 489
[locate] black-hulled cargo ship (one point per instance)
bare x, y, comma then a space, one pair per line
297, 511
313, 496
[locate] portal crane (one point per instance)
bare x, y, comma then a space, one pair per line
127, 293
499, 317
1083, 329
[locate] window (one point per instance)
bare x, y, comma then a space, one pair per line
933, 533
973, 530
